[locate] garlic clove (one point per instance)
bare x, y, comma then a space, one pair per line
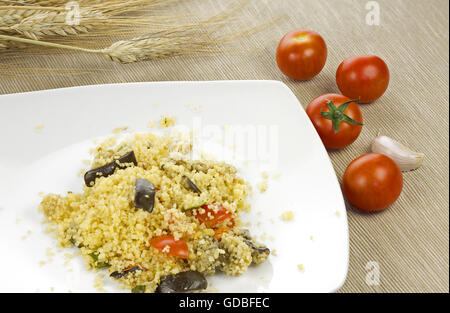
406, 159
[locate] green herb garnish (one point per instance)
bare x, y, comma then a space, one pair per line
196, 206
97, 264
139, 289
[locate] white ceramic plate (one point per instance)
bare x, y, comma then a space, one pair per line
48, 159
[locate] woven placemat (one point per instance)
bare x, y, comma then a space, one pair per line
410, 241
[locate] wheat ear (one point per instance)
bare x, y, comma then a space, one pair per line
36, 22
11, 15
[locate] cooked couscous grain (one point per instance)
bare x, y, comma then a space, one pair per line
191, 226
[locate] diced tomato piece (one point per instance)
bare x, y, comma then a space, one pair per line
219, 232
212, 218
177, 248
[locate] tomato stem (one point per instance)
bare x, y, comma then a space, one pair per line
337, 115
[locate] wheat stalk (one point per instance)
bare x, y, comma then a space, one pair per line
9, 45
134, 50
37, 2
10, 15
168, 41
37, 22
146, 48
50, 23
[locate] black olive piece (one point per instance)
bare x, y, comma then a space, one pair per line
118, 274
189, 184
256, 249
259, 252
144, 197
182, 282
108, 169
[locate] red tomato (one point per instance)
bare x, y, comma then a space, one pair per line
178, 248
212, 218
372, 182
301, 54
338, 128
363, 77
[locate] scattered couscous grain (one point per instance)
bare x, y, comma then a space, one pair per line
86, 162
49, 252
300, 267
337, 213
98, 282
39, 127
262, 186
166, 121
287, 216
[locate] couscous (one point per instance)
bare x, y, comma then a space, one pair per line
156, 220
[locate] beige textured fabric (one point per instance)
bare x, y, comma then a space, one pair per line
410, 240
